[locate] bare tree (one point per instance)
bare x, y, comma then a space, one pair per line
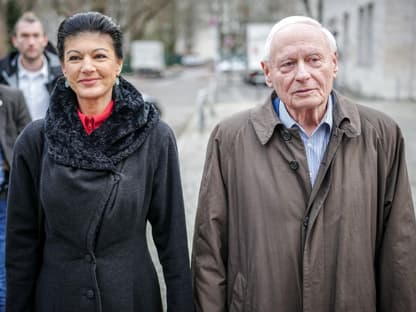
139, 17
132, 15
9, 12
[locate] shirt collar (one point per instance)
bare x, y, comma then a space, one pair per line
23, 72
265, 121
93, 122
289, 122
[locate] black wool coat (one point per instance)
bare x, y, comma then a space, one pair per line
78, 207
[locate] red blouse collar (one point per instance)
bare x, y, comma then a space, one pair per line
93, 122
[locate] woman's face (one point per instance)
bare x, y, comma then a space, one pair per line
91, 66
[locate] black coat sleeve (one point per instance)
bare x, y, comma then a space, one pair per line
167, 217
23, 236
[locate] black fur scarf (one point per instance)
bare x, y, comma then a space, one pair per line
118, 137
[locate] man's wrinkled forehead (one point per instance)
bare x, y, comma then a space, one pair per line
299, 27
300, 31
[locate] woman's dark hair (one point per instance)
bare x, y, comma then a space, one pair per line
89, 22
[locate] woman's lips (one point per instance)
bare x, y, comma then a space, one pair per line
88, 82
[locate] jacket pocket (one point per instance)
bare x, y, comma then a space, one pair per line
239, 294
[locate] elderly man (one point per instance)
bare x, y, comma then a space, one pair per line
34, 67
14, 116
305, 203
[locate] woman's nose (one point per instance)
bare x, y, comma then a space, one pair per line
87, 65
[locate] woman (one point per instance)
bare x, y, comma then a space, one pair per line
85, 181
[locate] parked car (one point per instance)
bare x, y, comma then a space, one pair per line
232, 64
191, 60
255, 77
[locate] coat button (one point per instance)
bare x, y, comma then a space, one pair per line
90, 294
88, 258
294, 165
306, 221
286, 136
116, 178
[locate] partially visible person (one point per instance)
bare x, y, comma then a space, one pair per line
305, 202
14, 116
33, 67
84, 183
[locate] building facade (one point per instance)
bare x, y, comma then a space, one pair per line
377, 46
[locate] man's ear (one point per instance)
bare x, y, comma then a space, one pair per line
266, 71
335, 62
45, 41
14, 41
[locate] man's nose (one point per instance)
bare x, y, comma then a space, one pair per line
302, 71
31, 39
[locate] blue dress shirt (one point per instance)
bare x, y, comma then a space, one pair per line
315, 145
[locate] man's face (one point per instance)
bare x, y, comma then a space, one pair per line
301, 68
30, 40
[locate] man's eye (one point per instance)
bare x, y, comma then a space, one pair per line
101, 56
287, 64
315, 61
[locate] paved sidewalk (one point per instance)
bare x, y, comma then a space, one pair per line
192, 146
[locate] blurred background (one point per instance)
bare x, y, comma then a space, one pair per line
198, 61
377, 39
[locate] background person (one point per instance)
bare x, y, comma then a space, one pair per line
305, 203
33, 68
14, 116
94, 172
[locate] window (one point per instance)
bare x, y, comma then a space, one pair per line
365, 35
346, 36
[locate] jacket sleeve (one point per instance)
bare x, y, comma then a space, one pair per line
209, 253
167, 217
23, 243
396, 259
21, 113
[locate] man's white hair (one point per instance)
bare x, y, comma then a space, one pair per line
291, 20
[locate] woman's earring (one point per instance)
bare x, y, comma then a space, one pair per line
66, 83
117, 80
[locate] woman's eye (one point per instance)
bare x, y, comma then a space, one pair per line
101, 56
73, 58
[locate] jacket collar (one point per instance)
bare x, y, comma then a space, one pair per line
9, 66
118, 137
346, 117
